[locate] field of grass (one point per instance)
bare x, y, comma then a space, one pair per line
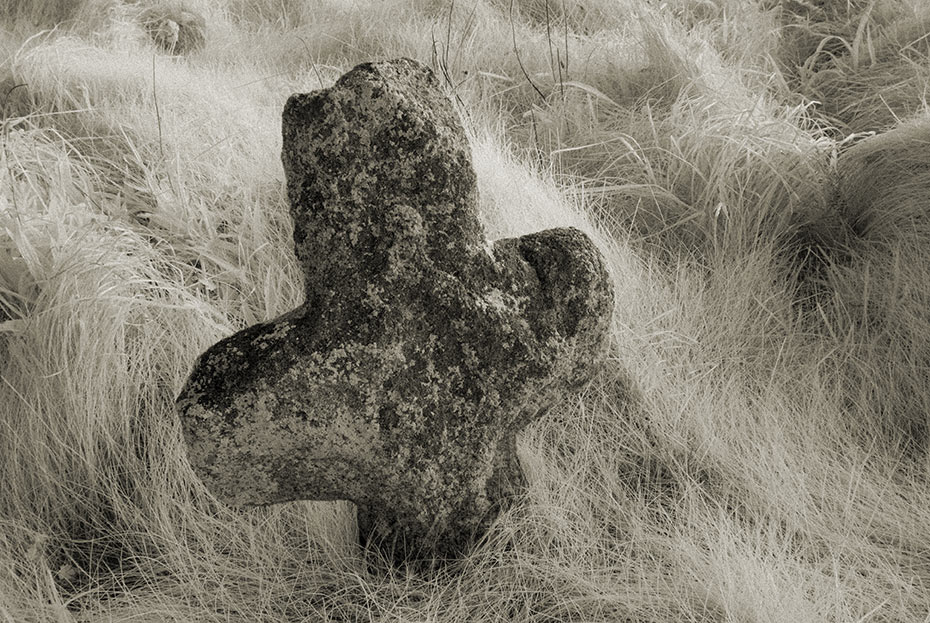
757, 173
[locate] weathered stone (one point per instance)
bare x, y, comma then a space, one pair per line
421, 350
175, 28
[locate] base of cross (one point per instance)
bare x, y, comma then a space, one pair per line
423, 538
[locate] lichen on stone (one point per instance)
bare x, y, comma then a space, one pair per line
401, 383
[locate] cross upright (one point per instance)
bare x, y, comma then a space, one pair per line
421, 349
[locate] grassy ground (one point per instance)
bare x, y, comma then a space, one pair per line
755, 448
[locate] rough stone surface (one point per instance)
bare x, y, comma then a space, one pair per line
175, 28
422, 348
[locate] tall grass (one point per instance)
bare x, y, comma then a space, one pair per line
864, 64
753, 449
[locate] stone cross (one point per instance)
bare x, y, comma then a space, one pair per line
422, 348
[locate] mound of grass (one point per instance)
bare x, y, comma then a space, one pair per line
864, 64
755, 445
